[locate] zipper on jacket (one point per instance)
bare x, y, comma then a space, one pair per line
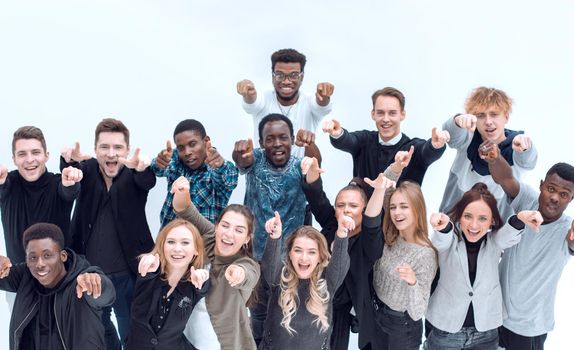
57, 324
16, 345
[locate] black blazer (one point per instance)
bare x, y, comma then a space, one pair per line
128, 193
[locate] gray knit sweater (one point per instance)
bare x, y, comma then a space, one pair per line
397, 293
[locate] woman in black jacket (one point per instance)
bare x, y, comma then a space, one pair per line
365, 244
169, 284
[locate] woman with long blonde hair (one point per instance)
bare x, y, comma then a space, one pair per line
170, 283
302, 288
403, 275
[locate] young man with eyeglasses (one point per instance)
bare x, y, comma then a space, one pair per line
287, 66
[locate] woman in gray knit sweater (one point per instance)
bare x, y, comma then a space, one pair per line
403, 275
300, 303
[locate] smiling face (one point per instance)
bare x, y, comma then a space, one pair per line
401, 213
304, 256
276, 141
476, 220
287, 90
45, 260
388, 116
350, 203
555, 195
490, 124
191, 148
109, 147
179, 249
30, 159
231, 232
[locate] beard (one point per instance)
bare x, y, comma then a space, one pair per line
289, 97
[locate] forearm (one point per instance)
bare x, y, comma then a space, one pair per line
339, 264
145, 180
192, 215
271, 265
501, 173
69, 193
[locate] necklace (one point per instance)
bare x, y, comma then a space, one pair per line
287, 110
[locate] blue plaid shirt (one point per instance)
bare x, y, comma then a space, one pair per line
210, 188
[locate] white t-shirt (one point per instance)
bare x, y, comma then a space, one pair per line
304, 114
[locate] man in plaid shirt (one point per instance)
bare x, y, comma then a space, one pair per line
211, 177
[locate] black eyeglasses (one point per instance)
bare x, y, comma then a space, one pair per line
293, 76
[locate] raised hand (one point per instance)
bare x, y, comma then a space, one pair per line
89, 282
466, 121
234, 274
439, 221
310, 168
531, 218
304, 138
243, 153
571, 233
273, 226
439, 138
346, 226
198, 277
324, 93
180, 190
148, 263
71, 176
381, 182
137, 161
5, 266
402, 159
246, 89
332, 127
521, 143
164, 157
407, 274
488, 151
213, 159
74, 154
3, 174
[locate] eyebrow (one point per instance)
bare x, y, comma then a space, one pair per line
227, 222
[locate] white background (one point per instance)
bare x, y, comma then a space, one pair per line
64, 65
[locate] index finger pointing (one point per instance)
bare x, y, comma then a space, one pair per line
168, 146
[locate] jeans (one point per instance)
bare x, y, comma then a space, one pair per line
466, 338
512, 341
124, 284
400, 330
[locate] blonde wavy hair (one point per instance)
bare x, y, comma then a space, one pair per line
318, 298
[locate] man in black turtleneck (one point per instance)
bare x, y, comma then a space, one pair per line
32, 194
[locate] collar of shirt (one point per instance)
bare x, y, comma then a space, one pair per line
392, 141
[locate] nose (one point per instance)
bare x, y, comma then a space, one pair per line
488, 119
276, 142
188, 150
111, 152
28, 157
40, 263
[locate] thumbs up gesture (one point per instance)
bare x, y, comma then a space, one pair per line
164, 157
273, 226
137, 161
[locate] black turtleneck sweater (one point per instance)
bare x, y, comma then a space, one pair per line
25, 203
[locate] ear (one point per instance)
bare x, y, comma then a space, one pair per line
403, 115
260, 143
206, 138
247, 239
64, 256
373, 114
47, 155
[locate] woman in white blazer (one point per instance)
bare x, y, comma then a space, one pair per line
465, 310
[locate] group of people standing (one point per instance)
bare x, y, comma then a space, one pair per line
259, 275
